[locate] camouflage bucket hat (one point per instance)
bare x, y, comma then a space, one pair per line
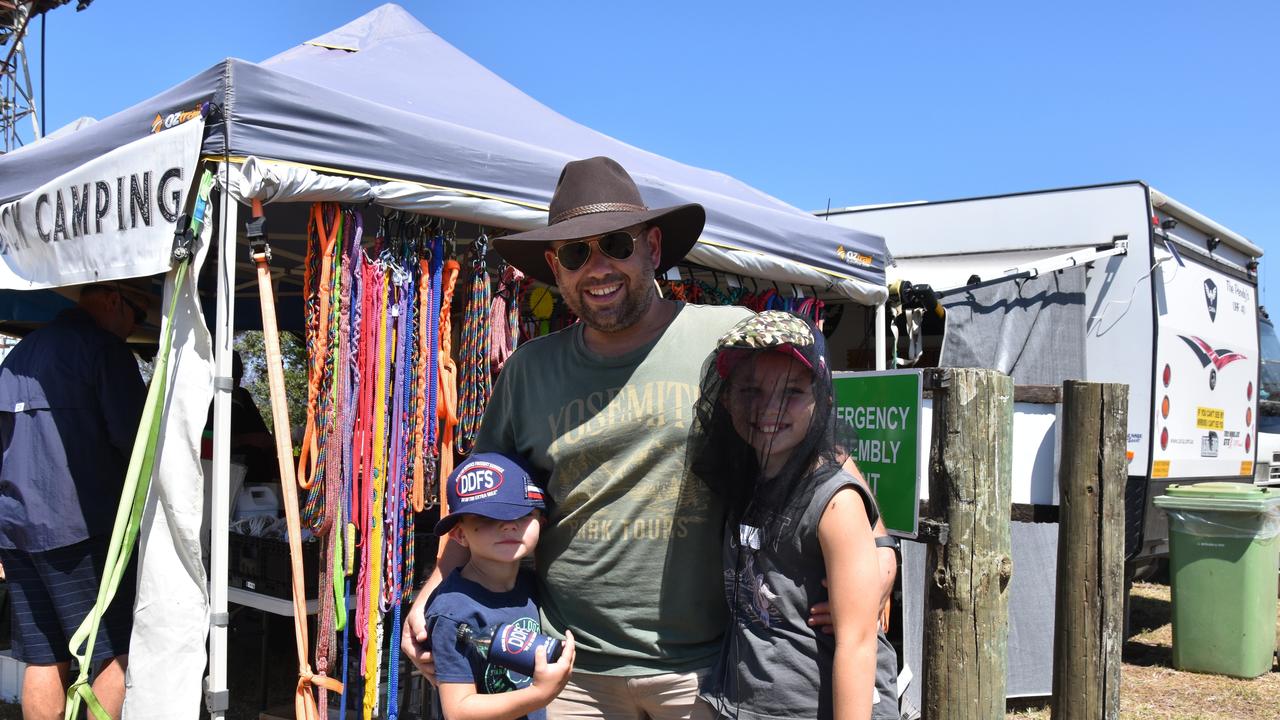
771, 330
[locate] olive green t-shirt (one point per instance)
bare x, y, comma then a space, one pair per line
630, 557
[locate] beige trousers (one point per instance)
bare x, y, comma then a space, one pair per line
667, 696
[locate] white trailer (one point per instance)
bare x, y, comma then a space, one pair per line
1109, 283
1266, 471
1169, 307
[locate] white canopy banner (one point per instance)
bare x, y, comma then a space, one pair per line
171, 612
110, 218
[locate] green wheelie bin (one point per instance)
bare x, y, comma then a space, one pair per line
1224, 550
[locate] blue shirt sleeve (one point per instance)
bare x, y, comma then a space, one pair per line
452, 665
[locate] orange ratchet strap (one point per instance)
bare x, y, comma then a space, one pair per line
304, 700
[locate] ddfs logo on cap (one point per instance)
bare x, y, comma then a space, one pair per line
477, 479
490, 485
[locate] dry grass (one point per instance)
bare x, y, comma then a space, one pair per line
1150, 689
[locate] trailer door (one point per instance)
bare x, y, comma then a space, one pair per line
1204, 423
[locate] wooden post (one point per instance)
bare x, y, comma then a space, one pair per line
1089, 624
966, 628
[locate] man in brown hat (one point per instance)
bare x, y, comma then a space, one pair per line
629, 559
71, 397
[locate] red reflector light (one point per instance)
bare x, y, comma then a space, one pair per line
1164, 439
1168, 375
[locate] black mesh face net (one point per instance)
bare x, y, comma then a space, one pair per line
762, 437
763, 427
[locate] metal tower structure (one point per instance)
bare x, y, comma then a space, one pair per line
17, 96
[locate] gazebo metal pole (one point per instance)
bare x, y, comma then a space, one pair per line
216, 694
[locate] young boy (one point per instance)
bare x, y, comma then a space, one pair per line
496, 513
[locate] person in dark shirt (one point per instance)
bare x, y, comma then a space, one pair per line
250, 438
71, 399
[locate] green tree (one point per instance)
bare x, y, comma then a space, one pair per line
293, 353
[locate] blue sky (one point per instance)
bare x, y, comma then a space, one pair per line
846, 102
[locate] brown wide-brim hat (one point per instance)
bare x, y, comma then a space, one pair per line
593, 197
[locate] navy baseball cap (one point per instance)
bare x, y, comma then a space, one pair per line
490, 485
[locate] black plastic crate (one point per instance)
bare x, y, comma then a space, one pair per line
262, 565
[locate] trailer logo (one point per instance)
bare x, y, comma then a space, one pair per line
1207, 356
1211, 299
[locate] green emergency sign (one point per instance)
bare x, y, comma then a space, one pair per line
883, 410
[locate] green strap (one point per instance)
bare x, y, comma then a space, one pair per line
128, 520
137, 484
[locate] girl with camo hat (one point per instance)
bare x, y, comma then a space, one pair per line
798, 531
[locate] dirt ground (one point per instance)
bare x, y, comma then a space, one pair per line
1150, 689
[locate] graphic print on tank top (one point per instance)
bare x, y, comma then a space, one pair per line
746, 587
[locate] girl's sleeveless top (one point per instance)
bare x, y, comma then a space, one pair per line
773, 665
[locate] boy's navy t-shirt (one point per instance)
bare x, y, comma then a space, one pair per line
460, 600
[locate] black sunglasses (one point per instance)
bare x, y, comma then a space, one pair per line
618, 245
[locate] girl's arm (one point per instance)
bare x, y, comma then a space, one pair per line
886, 559
852, 574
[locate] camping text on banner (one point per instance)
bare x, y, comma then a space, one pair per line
111, 218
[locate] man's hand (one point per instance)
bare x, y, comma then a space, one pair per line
820, 613
550, 678
415, 641
820, 616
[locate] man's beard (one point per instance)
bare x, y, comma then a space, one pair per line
637, 297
